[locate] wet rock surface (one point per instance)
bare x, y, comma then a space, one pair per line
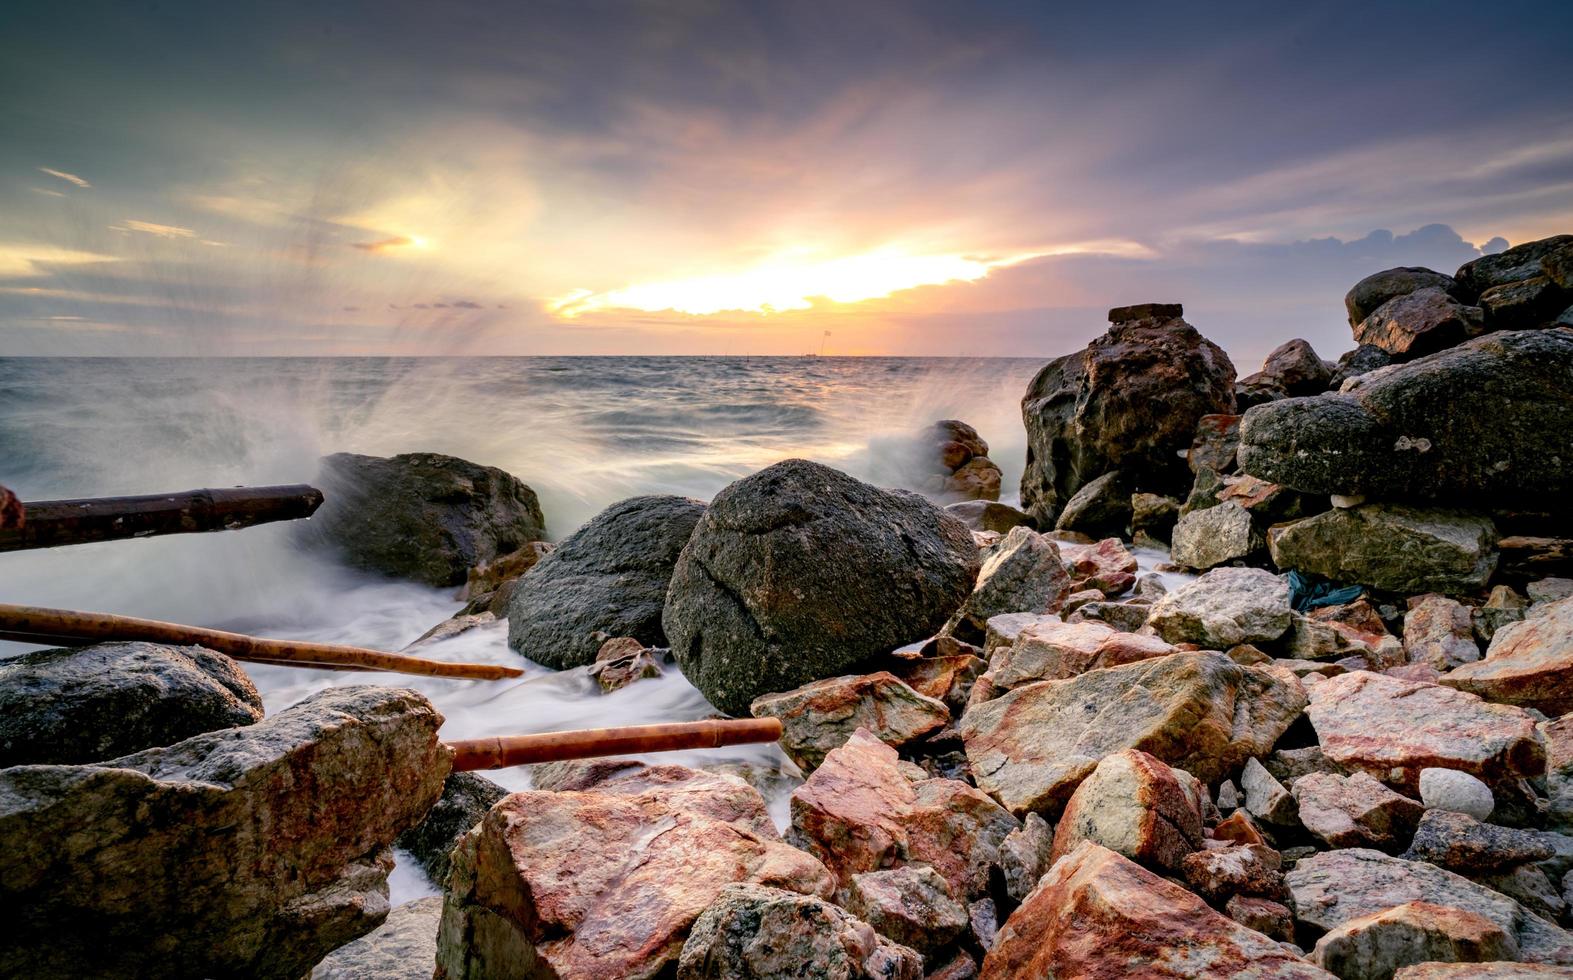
800, 572
1392, 548
113, 699
607, 579
466, 796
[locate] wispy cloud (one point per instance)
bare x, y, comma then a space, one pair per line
24, 260
387, 244
68, 178
152, 228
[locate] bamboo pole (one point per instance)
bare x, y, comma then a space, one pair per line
52, 523
33, 624
502, 751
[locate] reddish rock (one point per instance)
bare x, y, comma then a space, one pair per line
1422, 322
1439, 631
1529, 663
1238, 828
1394, 728
1356, 811
1270, 918
623, 660
1202, 712
1220, 872
821, 716
911, 904
1106, 566
1099, 915
1374, 946
1134, 805
858, 812
946, 679
1294, 367
608, 881
1557, 736
1483, 971
486, 579
1216, 441
1054, 650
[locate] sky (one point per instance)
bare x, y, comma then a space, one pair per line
868, 177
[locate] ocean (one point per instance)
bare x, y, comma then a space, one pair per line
583, 432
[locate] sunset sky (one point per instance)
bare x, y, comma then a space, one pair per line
738, 178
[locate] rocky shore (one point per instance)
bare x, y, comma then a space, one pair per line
1331, 736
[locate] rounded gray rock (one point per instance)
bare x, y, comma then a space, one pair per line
800, 572
609, 577
1449, 789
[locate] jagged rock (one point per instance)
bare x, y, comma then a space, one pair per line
1216, 536
1134, 805
821, 716
466, 796
1418, 323
1100, 507
1531, 887
1483, 971
947, 679
485, 581
1126, 617
1523, 305
1528, 663
1153, 515
976, 479
1223, 608
1229, 797
1513, 265
1025, 855
1557, 736
1105, 565
1394, 728
1265, 797
1482, 423
1218, 873
1022, 573
250, 851
1239, 828
1130, 401
607, 579
1362, 360
911, 904
608, 881
988, 515
1502, 607
1461, 843
1312, 638
1335, 887
1294, 368
1202, 712
1099, 914
423, 516
1214, 446
1391, 547
751, 932
800, 572
1054, 651
112, 699
1458, 792
1263, 915
1204, 493
1549, 590
858, 812
961, 966
404, 947
1377, 288
623, 660
1374, 946
1356, 811
1438, 631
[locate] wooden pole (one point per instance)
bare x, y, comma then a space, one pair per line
503, 751
51, 523
33, 624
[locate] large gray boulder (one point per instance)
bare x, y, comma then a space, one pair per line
609, 578
403, 948
1379, 287
112, 699
252, 851
422, 516
1485, 421
1223, 608
1130, 401
1422, 322
800, 572
1513, 265
1390, 547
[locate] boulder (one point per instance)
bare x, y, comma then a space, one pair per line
1457, 792
800, 572
1482, 423
113, 699
860, 812
1214, 446
1524, 305
1483, 971
1025, 855
1529, 663
1219, 873
1513, 265
251, 851
988, 515
491, 583
1557, 736
1224, 608
911, 904
1202, 712
422, 516
1136, 806
1130, 401
466, 796
1379, 287
1335, 887
1294, 368
1391, 547
1502, 607
607, 579
947, 679
1216, 536
1362, 360
1263, 915
1098, 914
1439, 631
1356, 811
1418, 323
1022, 573
1374, 946
1265, 797
1100, 507
1054, 651
1394, 728
1106, 565
404, 947
752, 932
821, 716
1153, 516
608, 881
1461, 843
976, 479
622, 660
